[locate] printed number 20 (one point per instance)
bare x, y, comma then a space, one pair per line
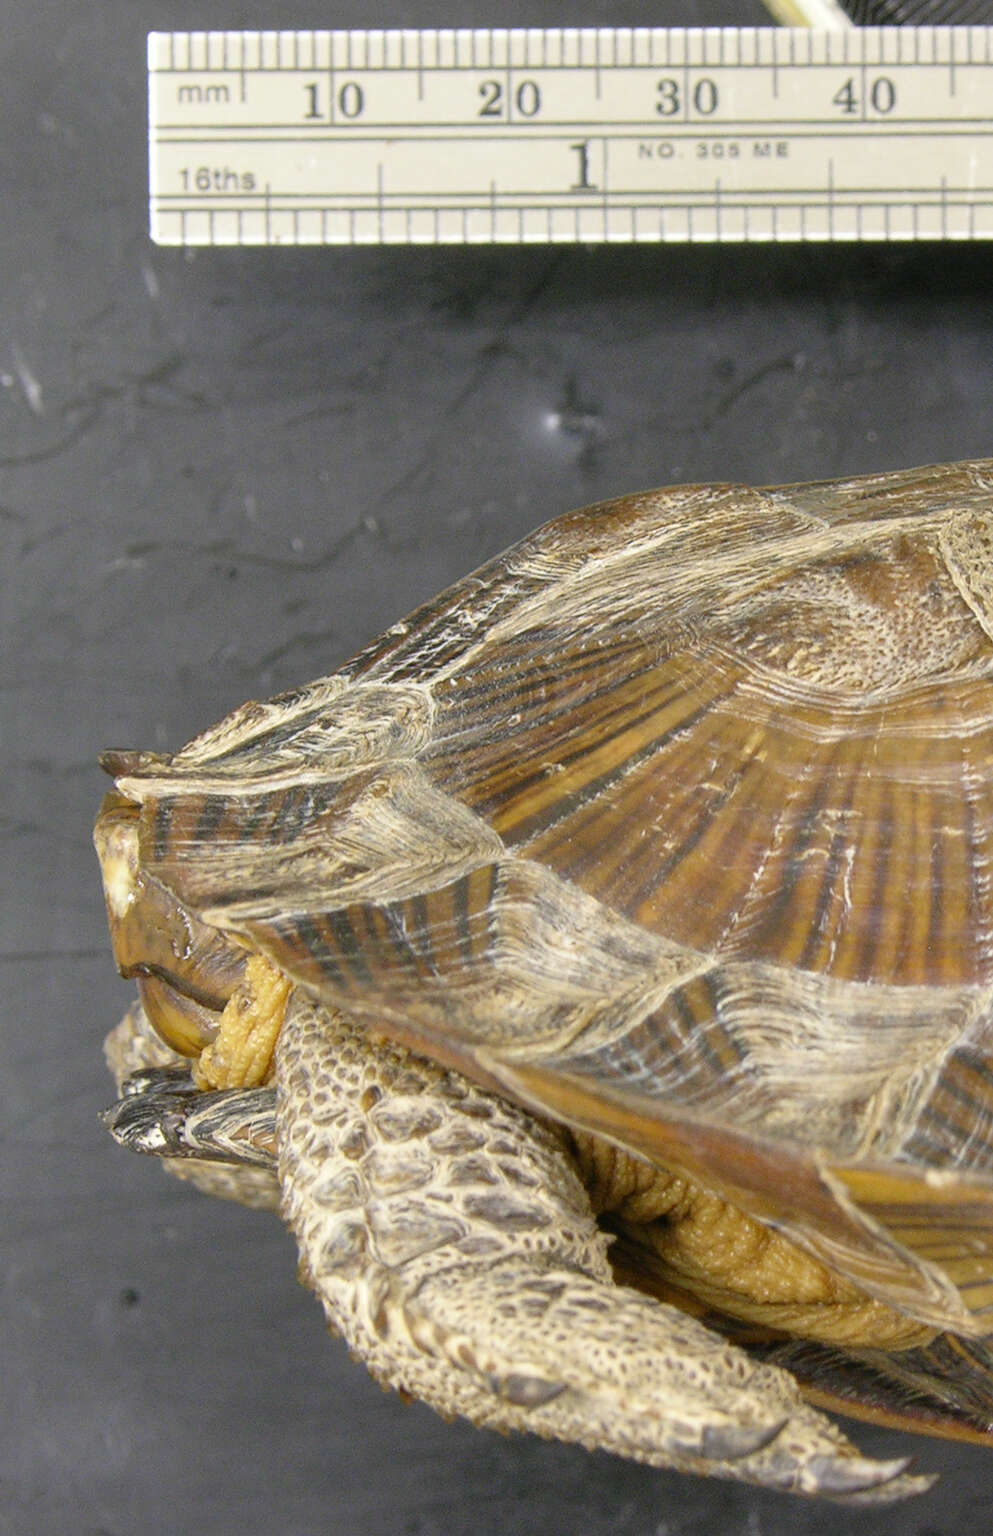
526, 98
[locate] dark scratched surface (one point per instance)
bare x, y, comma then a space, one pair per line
219, 475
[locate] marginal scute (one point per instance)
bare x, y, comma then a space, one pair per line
252, 723
510, 956
754, 1046
306, 737
378, 835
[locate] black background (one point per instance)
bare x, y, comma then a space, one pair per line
220, 473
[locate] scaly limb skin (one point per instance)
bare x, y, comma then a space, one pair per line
453, 1245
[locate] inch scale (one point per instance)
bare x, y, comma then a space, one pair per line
570, 134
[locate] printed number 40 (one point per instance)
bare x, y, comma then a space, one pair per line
881, 96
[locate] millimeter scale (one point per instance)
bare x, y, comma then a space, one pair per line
570, 134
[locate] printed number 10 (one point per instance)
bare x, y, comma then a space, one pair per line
350, 100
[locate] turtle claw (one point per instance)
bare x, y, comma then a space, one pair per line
842, 1476
729, 1442
525, 1390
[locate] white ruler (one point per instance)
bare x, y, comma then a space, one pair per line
564, 134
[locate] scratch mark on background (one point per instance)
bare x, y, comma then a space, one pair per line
730, 398
28, 381
153, 387
37, 956
229, 550
486, 358
51, 450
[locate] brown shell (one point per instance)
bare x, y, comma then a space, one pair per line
676, 823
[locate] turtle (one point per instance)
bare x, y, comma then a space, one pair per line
597, 973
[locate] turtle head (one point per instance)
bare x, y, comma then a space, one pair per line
186, 972
205, 994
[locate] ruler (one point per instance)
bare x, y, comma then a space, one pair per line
566, 134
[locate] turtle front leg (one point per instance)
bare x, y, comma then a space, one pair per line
452, 1244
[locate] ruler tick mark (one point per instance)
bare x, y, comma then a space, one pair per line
769, 115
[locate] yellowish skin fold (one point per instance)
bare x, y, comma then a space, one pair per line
241, 1054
